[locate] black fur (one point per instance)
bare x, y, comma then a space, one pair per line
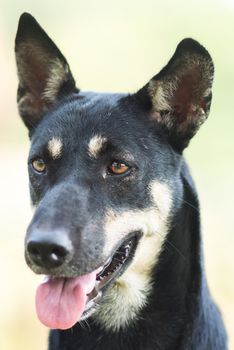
150, 138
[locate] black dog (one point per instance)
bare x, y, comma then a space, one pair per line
117, 227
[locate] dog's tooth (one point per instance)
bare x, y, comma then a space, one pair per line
127, 250
100, 269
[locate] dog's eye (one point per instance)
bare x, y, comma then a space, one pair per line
39, 165
118, 168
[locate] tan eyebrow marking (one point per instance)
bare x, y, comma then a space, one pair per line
95, 145
54, 147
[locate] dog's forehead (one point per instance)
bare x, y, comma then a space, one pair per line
91, 118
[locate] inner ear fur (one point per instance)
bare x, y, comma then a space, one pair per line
179, 97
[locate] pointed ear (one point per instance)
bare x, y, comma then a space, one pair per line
179, 97
44, 74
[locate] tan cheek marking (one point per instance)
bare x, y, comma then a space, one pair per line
162, 197
118, 225
95, 145
55, 148
130, 292
149, 221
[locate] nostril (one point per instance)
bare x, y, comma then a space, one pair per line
33, 250
47, 254
34, 253
58, 254
58, 251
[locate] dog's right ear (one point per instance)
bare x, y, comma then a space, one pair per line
44, 74
178, 98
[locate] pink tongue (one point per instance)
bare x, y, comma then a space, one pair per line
60, 302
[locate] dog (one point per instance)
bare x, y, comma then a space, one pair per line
116, 228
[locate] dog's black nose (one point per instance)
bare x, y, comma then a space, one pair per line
48, 251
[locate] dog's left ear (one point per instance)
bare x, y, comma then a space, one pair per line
44, 74
179, 97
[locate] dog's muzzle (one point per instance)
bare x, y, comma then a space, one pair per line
68, 295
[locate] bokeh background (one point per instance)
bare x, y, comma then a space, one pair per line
118, 46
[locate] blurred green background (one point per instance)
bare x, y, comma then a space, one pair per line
118, 46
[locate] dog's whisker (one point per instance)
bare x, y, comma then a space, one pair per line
87, 324
190, 205
172, 245
84, 324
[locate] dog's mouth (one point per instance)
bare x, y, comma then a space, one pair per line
117, 262
113, 268
61, 302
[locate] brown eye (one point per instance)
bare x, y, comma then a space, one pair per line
118, 168
39, 165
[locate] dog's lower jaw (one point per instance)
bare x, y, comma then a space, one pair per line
123, 302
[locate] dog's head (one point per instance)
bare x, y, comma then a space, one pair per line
104, 174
